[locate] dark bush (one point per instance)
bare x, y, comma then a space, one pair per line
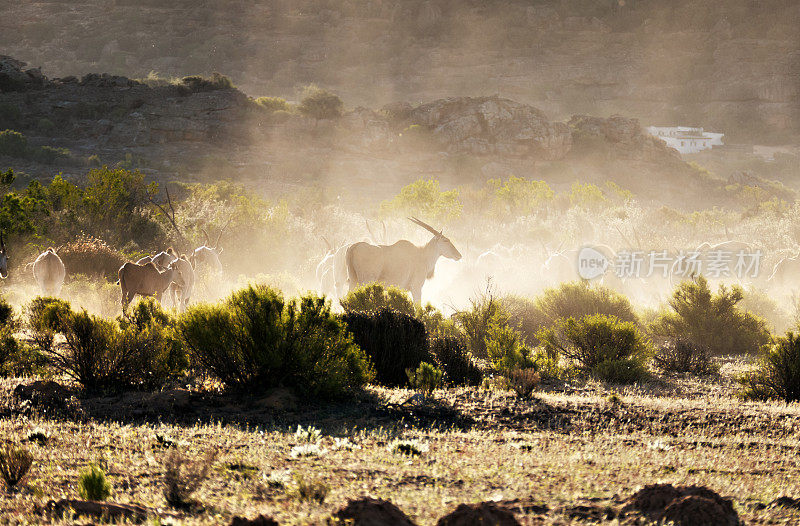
711, 321
393, 341
777, 376
49, 155
456, 362
683, 356
254, 341
217, 81
603, 346
13, 144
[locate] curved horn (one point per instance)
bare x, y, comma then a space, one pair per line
371, 233
216, 243
207, 243
424, 225
327, 243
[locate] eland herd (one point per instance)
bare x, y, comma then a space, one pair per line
402, 264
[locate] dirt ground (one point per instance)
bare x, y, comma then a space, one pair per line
568, 454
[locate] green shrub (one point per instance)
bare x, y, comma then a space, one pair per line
154, 330
375, 296
273, 104
15, 463
568, 300
318, 103
92, 484
44, 315
254, 341
777, 376
13, 143
102, 357
475, 322
426, 378
711, 321
603, 346
393, 341
683, 356
506, 350
456, 362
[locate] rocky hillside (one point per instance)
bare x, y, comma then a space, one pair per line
200, 128
730, 65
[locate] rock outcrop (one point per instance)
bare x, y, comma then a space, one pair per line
492, 125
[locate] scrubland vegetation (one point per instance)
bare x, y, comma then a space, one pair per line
505, 375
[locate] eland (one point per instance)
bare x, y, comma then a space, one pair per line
49, 271
403, 264
145, 280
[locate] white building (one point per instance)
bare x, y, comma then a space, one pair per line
686, 139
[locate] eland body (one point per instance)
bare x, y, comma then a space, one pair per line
403, 264
49, 271
145, 280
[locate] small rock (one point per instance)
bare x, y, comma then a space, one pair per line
261, 520
372, 512
480, 513
692, 510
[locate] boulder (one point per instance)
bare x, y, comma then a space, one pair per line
492, 125
480, 513
683, 505
261, 520
372, 512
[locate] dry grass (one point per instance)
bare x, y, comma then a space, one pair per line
556, 447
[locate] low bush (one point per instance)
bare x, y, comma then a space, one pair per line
506, 349
103, 356
92, 484
777, 376
183, 477
43, 318
375, 296
425, 378
568, 300
15, 463
393, 341
254, 340
524, 381
484, 311
310, 489
712, 321
603, 346
456, 362
13, 144
16, 357
683, 356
